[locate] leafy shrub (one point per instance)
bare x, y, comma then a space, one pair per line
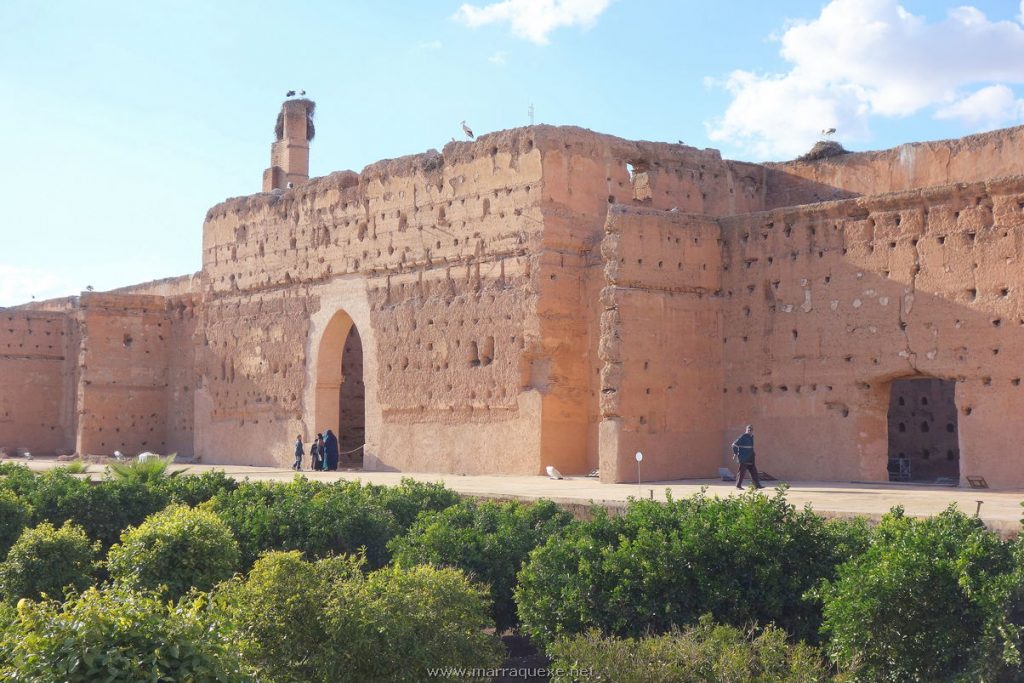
150, 471
747, 559
489, 541
74, 467
280, 612
932, 599
46, 560
411, 497
104, 510
174, 550
195, 489
16, 478
15, 515
327, 621
706, 653
318, 519
116, 634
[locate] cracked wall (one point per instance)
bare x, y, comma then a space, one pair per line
661, 377
430, 256
135, 372
827, 304
37, 371
471, 266
971, 159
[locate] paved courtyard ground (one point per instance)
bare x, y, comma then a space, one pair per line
1000, 510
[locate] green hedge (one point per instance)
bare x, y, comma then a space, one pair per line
319, 519
931, 599
327, 621
194, 489
489, 541
116, 634
745, 559
706, 653
15, 515
173, 551
104, 510
406, 501
46, 560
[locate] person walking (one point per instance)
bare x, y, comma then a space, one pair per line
299, 452
743, 453
315, 456
331, 447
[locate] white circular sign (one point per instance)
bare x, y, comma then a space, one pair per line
639, 456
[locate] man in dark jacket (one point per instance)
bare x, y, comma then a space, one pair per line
299, 452
743, 453
331, 450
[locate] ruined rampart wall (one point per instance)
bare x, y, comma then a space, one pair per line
36, 380
134, 374
827, 304
660, 345
430, 257
180, 286
975, 158
584, 175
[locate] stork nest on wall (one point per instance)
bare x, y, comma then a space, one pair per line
310, 128
824, 149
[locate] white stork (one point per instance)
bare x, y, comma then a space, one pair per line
467, 130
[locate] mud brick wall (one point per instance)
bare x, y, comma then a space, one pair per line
251, 364
37, 375
427, 257
123, 381
660, 347
971, 159
585, 175
827, 304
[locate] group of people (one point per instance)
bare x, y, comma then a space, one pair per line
323, 452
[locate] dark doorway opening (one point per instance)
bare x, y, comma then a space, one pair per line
924, 442
351, 402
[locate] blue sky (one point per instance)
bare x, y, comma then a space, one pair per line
125, 121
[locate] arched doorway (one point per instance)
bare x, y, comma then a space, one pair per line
340, 397
924, 440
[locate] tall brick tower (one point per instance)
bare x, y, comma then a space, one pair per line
289, 155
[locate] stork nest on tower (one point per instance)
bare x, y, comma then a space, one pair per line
310, 128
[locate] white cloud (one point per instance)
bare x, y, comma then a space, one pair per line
498, 58
991, 106
534, 19
18, 285
863, 58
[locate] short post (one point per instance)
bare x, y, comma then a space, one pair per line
639, 490
977, 511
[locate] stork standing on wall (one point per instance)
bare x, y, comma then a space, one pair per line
467, 130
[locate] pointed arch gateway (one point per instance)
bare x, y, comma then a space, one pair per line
340, 394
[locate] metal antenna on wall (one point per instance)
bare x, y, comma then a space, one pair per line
530, 111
